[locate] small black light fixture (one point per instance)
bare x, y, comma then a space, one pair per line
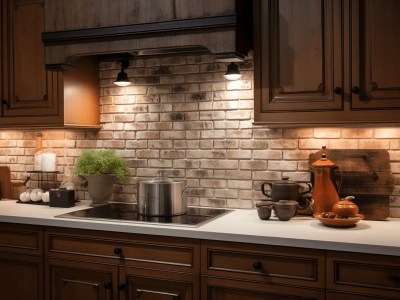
122, 78
232, 72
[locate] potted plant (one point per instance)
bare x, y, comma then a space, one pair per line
101, 169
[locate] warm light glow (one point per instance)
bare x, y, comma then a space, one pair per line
233, 76
122, 83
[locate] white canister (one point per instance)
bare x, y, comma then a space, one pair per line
49, 162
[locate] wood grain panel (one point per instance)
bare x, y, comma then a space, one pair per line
365, 274
75, 14
375, 63
267, 264
136, 250
224, 289
21, 239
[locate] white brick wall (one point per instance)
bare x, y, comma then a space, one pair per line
182, 117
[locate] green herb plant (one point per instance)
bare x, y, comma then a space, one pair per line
102, 162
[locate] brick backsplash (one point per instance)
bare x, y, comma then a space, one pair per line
181, 117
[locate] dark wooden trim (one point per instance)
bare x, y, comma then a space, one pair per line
138, 30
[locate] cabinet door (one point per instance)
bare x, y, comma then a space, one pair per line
375, 54
21, 277
29, 90
142, 284
66, 280
298, 56
224, 289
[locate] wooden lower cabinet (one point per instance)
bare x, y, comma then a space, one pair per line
343, 296
21, 262
225, 289
362, 276
50, 263
238, 271
67, 280
79, 280
144, 284
83, 264
21, 277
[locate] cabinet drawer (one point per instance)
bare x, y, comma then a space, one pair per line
364, 274
19, 238
127, 249
342, 296
268, 264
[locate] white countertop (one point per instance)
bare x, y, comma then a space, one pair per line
242, 225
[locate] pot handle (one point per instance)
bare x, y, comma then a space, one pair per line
266, 193
338, 184
307, 191
308, 204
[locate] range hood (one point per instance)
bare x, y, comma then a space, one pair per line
146, 28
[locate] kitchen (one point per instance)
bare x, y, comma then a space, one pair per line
182, 116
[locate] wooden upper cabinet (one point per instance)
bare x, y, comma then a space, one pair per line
326, 62
28, 86
301, 66
31, 95
72, 15
375, 54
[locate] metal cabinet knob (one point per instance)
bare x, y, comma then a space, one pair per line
337, 90
257, 265
107, 285
117, 250
355, 89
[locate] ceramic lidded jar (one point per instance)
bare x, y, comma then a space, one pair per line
345, 207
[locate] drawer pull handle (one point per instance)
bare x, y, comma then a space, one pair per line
121, 286
70, 281
257, 265
117, 251
139, 293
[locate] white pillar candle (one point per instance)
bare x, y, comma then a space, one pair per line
49, 162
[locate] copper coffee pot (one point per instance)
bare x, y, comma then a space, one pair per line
325, 189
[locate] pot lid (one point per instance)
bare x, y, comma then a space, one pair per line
162, 179
285, 180
323, 162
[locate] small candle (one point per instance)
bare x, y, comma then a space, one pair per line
49, 162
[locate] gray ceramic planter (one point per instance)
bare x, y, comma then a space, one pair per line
100, 188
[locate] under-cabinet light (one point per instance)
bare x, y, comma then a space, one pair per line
122, 77
232, 72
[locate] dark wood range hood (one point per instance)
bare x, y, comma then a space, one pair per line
146, 28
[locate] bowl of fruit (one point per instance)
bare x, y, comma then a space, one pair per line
344, 214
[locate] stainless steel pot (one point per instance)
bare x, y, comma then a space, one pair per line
162, 197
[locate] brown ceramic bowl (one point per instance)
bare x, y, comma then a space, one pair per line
264, 209
285, 209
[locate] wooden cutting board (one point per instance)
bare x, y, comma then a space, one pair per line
6, 183
366, 175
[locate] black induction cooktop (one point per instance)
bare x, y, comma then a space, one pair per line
127, 212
